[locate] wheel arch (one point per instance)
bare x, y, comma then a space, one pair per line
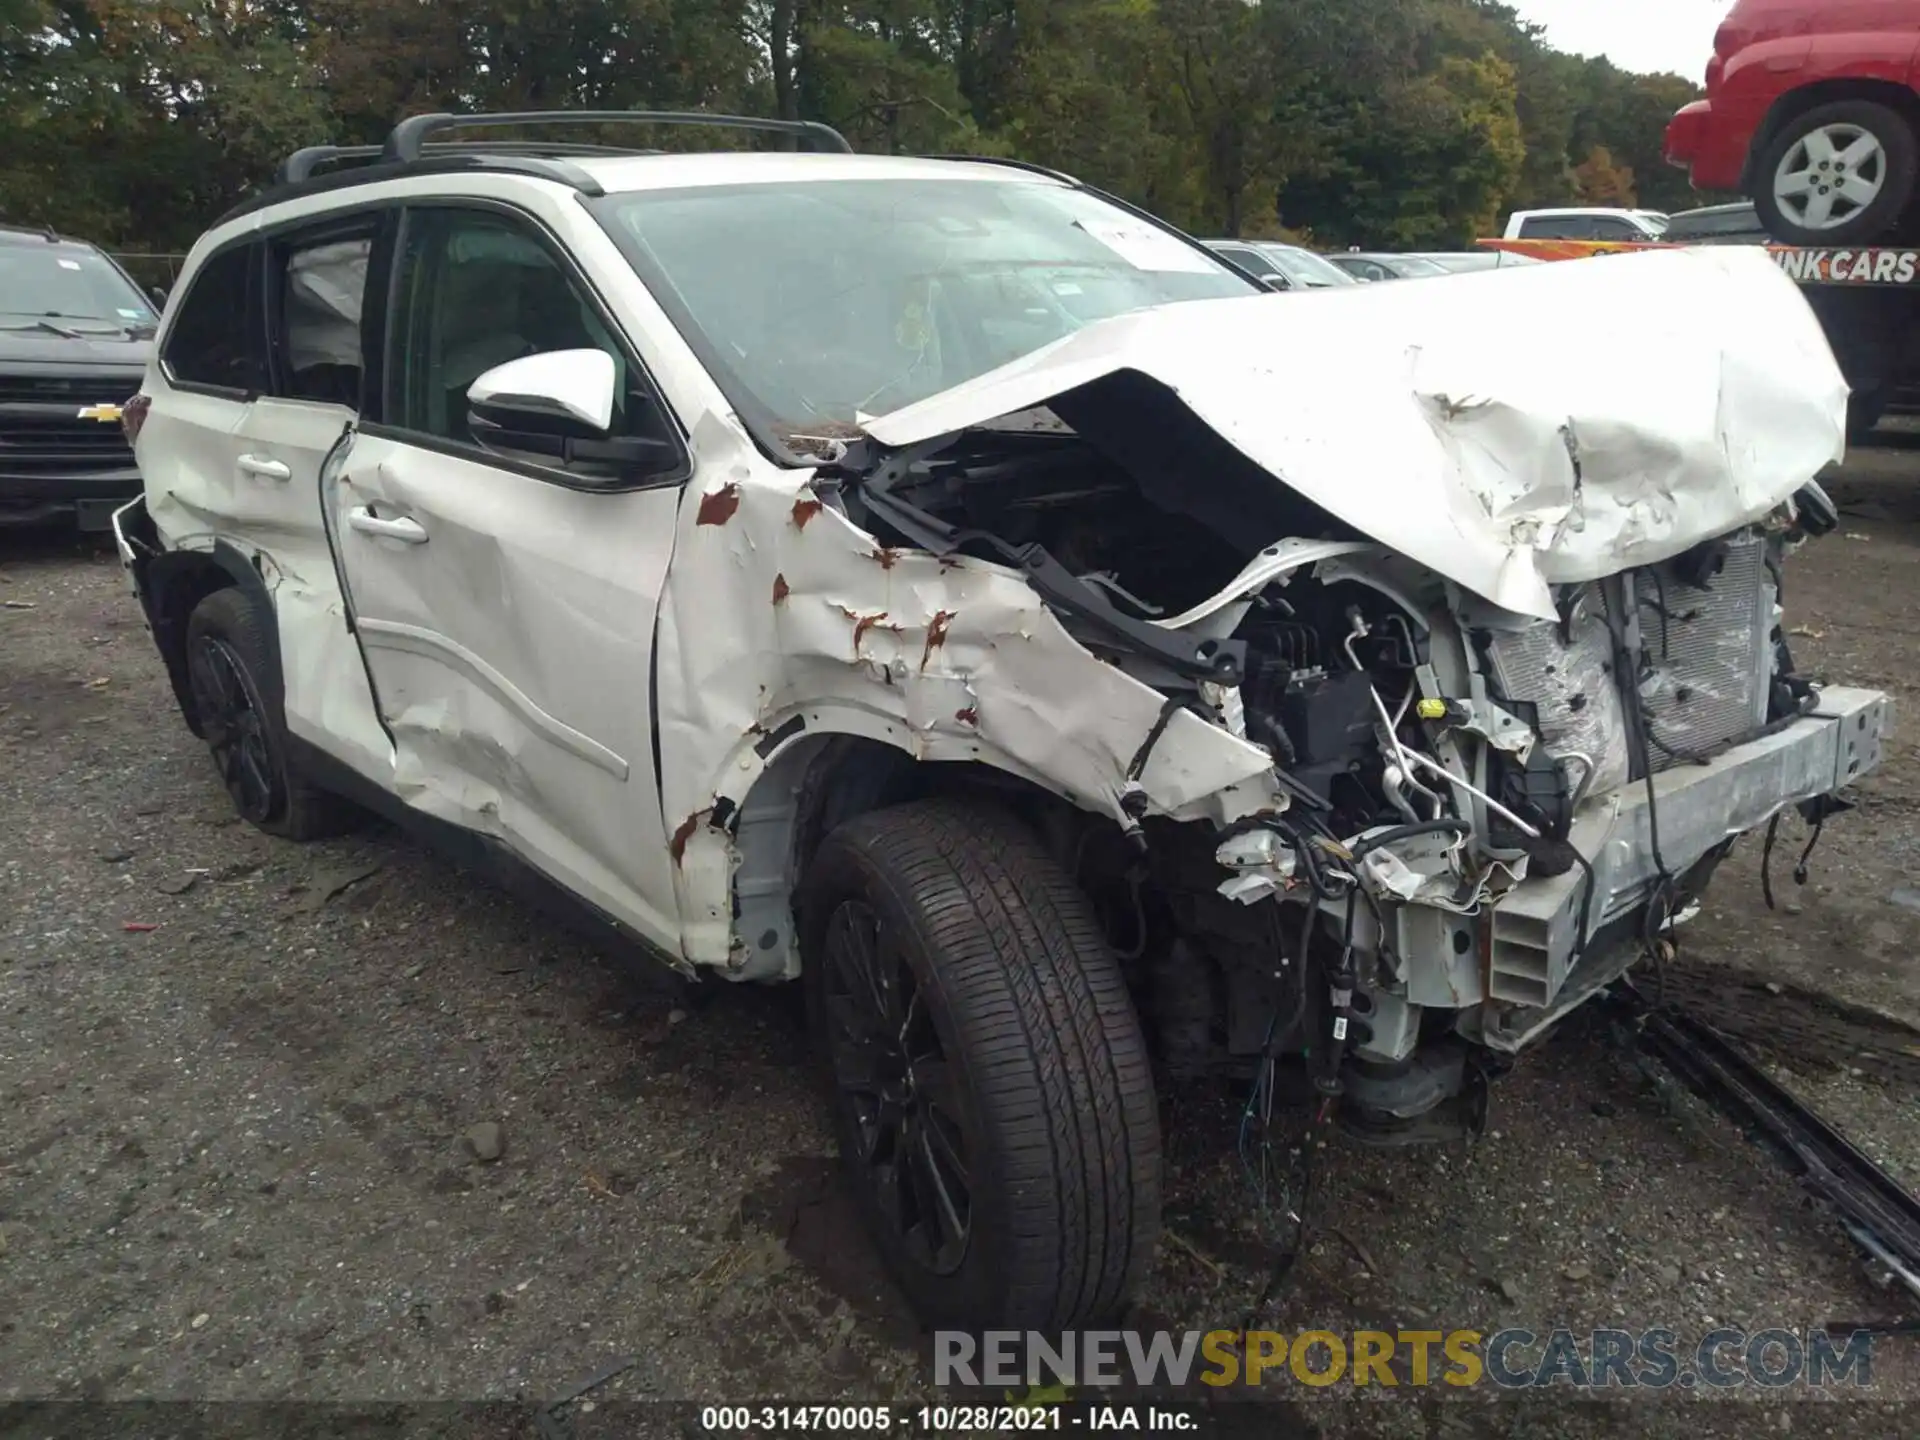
1796, 103
174, 582
740, 863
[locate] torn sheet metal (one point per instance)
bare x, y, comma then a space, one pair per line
1510, 429
778, 609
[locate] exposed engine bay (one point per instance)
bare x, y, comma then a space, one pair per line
1481, 830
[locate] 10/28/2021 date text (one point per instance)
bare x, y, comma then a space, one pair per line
931, 1420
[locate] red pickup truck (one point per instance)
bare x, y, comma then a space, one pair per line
1812, 112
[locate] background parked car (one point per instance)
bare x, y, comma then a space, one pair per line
75, 333
1810, 111
1459, 262
1736, 224
1281, 267
1373, 266
1588, 223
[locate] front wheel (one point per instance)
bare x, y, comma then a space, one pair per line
1841, 174
993, 1095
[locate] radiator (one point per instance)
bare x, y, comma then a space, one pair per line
1709, 656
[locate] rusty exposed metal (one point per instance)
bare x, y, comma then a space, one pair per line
863, 623
804, 509
677, 847
717, 506
936, 635
780, 590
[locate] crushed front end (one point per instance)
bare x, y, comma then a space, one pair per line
1513, 810
1519, 662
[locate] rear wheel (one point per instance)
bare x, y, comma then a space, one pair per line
240, 718
1841, 174
992, 1091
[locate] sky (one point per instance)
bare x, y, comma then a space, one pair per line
1647, 35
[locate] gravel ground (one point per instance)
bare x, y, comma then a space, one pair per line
248, 1149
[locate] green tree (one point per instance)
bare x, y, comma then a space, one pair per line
1395, 122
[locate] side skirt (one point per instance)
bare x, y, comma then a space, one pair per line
488, 859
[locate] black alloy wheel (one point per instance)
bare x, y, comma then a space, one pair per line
896, 1082
233, 682
232, 720
991, 1089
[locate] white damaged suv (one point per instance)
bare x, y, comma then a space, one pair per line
937, 582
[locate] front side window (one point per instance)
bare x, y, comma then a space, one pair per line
814, 302
475, 290
72, 286
322, 290
216, 338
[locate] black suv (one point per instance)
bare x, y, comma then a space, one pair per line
75, 332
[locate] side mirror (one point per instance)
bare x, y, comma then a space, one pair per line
560, 393
1276, 282
557, 408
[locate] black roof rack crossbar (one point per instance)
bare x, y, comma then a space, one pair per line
409, 137
303, 164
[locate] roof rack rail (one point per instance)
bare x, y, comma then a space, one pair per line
303, 164
39, 232
409, 138
1011, 164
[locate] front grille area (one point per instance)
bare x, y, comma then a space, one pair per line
1709, 657
42, 434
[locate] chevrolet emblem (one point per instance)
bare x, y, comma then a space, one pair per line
105, 414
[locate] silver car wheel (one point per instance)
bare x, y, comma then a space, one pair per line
1830, 175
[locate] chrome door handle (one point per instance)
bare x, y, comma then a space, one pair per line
263, 467
362, 518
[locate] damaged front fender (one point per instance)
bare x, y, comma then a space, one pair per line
782, 619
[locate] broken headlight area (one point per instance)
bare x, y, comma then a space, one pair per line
1489, 815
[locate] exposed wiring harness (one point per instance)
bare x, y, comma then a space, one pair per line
1627, 656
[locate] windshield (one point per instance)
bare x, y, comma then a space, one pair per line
1303, 267
818, 301
67, 283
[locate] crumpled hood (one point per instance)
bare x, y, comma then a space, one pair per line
1510, 429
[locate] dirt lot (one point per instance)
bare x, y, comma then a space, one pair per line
235, 1158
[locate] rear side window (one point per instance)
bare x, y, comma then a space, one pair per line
319, 296
216, 340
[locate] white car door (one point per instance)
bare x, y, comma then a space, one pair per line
505, 603
316, 280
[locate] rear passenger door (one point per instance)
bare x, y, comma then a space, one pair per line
322, 356
212, 367
314, 294
504, 600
